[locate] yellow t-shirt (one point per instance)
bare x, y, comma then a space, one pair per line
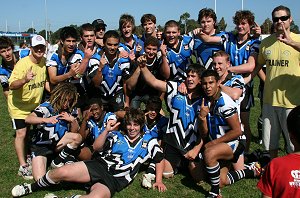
282, 84
22, 101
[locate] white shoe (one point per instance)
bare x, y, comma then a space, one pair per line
21, 190
25, 172
50, 195
147, 179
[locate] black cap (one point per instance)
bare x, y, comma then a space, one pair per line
98, 22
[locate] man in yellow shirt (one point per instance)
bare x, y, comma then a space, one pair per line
280, 53
26, 86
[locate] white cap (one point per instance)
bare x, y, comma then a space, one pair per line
37, 40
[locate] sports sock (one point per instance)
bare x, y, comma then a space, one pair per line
214, 176
43, 182
68, 150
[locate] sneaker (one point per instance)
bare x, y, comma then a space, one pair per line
255, 166
25, 172
53, 165
213, 195
50, 195
147, 179
21, 190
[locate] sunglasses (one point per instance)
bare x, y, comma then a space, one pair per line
100, 28
282, 18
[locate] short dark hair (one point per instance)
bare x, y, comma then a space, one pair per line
172, 23
153, 41
210, 72
111, 34
95, 101
293, 123
207, 12
281, 7
86, 27
6, 42
195, 68
67, 32
148, 17
154, 104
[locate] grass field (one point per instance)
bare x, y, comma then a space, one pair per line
179, 186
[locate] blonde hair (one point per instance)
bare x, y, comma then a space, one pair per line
60, 93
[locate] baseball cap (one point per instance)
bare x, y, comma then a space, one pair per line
98, 22
37, 40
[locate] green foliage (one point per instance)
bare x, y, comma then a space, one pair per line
294, 28
266, 27
222, 25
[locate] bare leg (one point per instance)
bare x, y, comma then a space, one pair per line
20, 145
98, 191
39, 166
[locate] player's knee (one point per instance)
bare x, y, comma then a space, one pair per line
209, 155
77, 139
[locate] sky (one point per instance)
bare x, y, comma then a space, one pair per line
18, 15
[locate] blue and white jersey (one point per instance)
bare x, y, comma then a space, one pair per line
5, 72
54, 60
158, 129
180, 58
24, 52
183, 123
95, 128
136, 41
113, 76
235, 81
123, 159
94, 60
46, 133
205, 51
240, 53
224, 108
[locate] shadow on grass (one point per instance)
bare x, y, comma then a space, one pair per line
189, 182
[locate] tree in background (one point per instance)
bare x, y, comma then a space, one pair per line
294, 28
222, 25
266, 26
183, 20
31, 30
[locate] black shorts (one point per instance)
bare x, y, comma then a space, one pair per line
99, 174
43, 150
19, 124
239, 150
176, 159
114, 103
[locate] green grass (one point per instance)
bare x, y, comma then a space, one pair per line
179, 186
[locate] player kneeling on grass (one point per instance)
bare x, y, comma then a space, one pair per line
55, 129
116, 161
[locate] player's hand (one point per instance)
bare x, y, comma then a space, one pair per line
123, 54
160, 186
88, 114
197, 31
74, 70
191, 154
163, 48
132, 55
29, 75
182, 88
285, 36
142, 60
103, 61
204, 110
138, 48
52, 120
112, 125
257, 30
89, 51
67, 117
